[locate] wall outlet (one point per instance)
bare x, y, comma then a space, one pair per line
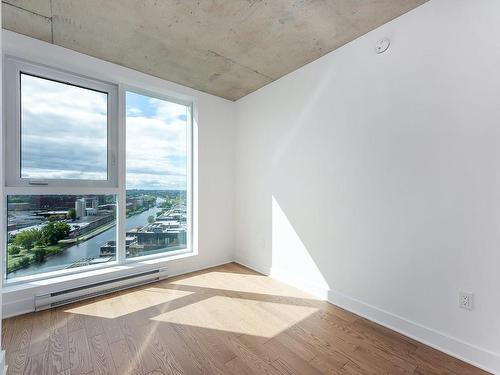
466, 300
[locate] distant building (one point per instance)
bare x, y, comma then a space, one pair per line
86, 207
91, 206
52, 202
80, 207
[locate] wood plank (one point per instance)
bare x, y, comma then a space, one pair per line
250, 358
202, 352
113, 331
80, 360
180, 350
101, 356
138, 341
37, 364
16, 361
40, 335
58, 343
124, 362
75, 322
431, 360
237, 366
93, 325
327, 365
165, 357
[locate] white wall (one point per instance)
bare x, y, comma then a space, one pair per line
3, 368
216, 119
374, 180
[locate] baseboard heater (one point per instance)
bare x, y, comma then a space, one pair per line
64, 297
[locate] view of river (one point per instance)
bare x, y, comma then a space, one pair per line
87, 249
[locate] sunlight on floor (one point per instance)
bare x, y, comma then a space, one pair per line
250, 317
244, 283
114, 307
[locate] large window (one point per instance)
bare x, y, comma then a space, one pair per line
80, 195
157, 144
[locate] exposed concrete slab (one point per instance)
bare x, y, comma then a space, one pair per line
26, 22
225, 47
40, 7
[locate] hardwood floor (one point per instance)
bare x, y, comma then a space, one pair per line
224, 320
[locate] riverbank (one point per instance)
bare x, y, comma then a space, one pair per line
88, 236
88, 248
24, 259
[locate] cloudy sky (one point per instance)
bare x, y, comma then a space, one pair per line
156, 143
64, 136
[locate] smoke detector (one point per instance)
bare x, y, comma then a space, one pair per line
382, 45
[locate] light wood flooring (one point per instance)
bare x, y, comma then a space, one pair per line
224, 320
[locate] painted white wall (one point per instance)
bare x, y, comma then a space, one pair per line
374, 180
215, 190
3, 367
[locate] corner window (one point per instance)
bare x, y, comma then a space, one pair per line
84, 186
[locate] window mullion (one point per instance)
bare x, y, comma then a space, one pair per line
122, 194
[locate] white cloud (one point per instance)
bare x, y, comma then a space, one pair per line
64, 135
157, 146
64, 130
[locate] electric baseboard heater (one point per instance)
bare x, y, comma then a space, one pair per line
66, 296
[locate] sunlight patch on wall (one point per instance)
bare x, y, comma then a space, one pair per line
291, 259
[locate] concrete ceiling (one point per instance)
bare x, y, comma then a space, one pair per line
228, 48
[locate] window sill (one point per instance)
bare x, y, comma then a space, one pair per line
130, 266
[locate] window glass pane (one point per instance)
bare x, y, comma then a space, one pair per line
53, 232
157, 136
63, 131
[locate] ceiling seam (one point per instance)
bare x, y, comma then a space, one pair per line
29, 11
243, 66
51, 23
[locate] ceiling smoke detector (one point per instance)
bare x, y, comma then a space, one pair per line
382, 45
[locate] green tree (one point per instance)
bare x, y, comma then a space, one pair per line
40, 253
72, 214
151, 219
48, 235
24, 262
14, 249
27, 238
62, 230
53, 232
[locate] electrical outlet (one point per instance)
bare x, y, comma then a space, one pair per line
466, 300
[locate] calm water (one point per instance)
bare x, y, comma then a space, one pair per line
87, 249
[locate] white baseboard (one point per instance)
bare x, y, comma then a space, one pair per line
252, 265
476, 356
317, 290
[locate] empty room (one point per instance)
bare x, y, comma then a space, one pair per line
250, 187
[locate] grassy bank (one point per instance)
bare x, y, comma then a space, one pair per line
88, 236
25, 258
